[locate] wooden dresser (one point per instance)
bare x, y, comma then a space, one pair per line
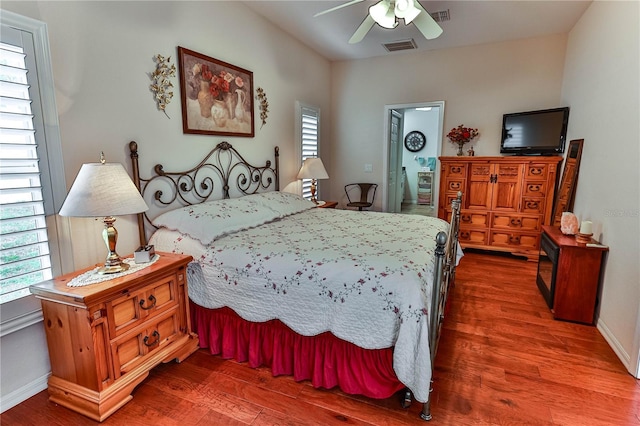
104, 338
505, 202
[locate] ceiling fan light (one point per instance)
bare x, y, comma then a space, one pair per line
407, 10
383, 14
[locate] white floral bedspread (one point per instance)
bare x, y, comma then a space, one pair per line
365, 276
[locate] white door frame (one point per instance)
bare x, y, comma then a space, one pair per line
386, 143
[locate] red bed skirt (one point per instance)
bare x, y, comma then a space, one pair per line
325, 360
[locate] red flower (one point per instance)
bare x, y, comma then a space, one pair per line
462, 134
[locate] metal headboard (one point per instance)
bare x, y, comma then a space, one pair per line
210, 180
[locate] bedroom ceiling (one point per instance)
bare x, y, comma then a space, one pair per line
471, 22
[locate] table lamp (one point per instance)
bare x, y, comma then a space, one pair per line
104, 190
312, 168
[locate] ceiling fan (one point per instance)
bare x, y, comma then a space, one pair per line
386, 13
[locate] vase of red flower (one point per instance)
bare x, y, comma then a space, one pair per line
461, 135
205, 99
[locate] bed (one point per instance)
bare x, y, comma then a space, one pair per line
338, 297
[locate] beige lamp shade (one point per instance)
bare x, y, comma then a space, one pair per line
312, 168
103, 189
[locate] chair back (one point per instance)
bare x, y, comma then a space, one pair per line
367, 194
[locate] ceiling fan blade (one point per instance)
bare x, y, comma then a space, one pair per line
362, 30
338, 7
426, 24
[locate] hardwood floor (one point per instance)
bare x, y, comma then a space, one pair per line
502, 360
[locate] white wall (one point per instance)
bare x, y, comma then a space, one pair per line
601, 86
477, 83
102, 53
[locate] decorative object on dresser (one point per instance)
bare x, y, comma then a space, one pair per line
506, 200
104, 190
569, 223
312, 168
104, 338
569, 275
569, 182
217, 97
585, 233
461, 135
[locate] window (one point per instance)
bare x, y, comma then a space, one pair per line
29, 152
309, 138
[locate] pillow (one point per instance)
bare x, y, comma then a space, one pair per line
213, 219
284, 203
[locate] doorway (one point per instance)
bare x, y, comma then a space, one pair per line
411, 176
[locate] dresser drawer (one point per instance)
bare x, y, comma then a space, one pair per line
470, 218
525, 241
516, 222
533, 205
454, 185
472, 236
455, 170
536, 171
130, 349
534, 189
129, 310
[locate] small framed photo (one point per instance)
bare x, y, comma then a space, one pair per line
217, 97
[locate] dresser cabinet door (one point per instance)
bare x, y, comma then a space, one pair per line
506, 187
480, 187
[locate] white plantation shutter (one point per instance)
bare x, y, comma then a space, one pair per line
25, 187
310, 127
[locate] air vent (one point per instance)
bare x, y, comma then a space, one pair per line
394, 46
441, 16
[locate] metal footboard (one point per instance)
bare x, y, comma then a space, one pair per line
445, 272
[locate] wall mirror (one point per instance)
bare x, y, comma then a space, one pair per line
566, 192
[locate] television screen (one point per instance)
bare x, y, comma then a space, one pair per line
535, 132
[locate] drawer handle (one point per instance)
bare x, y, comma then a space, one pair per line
464, 235
531, 204
454, 185
466, 218
154, 334
536, 171
152, 299
514, 240
534, 188
455, 169
516, 222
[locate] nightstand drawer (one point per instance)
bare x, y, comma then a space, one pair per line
128, 311
130, 349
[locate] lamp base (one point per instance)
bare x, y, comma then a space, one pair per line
113, 269
114, 263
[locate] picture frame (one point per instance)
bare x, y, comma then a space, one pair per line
217, 97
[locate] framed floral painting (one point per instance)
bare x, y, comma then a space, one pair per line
217, 97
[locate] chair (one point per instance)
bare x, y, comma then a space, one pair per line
367, 194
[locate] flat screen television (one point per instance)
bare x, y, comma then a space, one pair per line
540, 132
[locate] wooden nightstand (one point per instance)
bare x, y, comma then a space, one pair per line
104, 338
329, 205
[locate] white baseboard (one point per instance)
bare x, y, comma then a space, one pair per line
24, 393
615, 345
